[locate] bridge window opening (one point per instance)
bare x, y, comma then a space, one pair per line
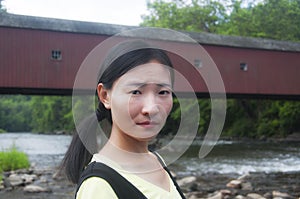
244, 66
56, 55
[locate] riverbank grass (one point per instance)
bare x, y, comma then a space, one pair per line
12, 159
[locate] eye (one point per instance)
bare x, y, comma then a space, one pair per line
164, 92
136, 92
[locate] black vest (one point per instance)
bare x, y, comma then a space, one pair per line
121, 186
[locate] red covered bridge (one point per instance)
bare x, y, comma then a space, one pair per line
42, 56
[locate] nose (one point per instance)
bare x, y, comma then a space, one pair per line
150, 106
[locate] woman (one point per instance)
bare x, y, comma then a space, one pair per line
135, 95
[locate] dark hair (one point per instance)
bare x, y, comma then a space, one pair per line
120, 59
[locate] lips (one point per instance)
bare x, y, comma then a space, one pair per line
144, 123
147, 123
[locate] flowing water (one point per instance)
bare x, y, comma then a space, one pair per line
47, 151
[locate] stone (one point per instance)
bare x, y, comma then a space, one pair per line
255, 196
240, 197
243, 177
235, 184
43, 179
225, 192
277, 194
35, 189
28, 178
247, 186
15, 180
194, 195
173, 174
218, 195
186, 181
1, 185
268, 195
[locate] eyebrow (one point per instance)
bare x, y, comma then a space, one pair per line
136, 84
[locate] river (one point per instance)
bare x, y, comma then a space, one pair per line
46, 151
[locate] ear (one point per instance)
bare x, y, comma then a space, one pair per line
103, 95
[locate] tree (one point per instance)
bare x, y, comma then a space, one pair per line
269, 19
180, 15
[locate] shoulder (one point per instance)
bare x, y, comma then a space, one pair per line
95, 187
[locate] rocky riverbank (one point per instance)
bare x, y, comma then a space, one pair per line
47, 184
35, 184
250, 186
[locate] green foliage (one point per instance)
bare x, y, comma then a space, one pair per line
268, 19
51, 113
15, 113
20, 113
13, 159
180, 15
289, 117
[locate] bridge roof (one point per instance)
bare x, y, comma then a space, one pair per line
61, 25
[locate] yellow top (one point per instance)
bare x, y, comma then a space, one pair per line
95, 187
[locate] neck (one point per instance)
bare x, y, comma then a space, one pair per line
127, 143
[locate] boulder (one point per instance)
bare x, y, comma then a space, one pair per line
186, 181
277, 194
217, 195
28, 178
15, 180
255, 196
247, 186
194, 195
35, 189
1, 185
240, 197
235, 184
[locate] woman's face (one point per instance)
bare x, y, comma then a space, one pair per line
141, 100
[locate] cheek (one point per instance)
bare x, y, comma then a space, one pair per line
134, 108
168, 106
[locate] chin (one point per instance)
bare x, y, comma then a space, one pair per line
145, 139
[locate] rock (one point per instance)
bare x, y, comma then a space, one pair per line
60, 132
35, 189
240, 197
19, 179
218, 195
1, 185
43, 179
194, 195
242, 178
268, 195
255, 196
173, 174
247, 186
15, 180
28, 178
225, 192
236, 184
277, 194
294, 137
186, 181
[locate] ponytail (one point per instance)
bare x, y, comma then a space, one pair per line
78, 156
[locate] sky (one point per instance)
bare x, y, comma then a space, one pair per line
120, 12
